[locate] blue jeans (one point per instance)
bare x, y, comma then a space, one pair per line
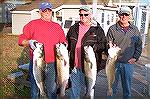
50, 81
34, 88
125, 71
77, 82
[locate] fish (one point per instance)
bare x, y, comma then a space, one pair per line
39, 67
110, 67
90, 70
62, 61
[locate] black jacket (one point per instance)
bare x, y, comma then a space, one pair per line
94, 36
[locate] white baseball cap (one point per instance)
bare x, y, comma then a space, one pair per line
126, 10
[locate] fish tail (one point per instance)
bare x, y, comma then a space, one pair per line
41, 88
110, 92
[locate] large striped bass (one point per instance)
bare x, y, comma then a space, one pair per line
62, 60
39, 67
90, 69
110, 67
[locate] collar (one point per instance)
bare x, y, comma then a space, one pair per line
118, 27
94, 23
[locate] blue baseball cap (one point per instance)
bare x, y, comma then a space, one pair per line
45, 5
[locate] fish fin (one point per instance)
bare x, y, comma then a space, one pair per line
65, 62
91, 65
36, 62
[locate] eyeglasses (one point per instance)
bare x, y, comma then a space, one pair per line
84, 15
124, 14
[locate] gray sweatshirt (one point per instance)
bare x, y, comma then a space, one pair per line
128, 40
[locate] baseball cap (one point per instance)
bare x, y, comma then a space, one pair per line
124, 10
45, 5
85, 8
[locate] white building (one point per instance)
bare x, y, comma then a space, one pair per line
23, 14
68, 10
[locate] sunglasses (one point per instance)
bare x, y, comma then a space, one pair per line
84, 15
124, 14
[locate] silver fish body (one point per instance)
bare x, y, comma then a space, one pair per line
62, 60
90, 69
110, 68
39, 67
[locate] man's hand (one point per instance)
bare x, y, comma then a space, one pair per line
32, 44
132, 61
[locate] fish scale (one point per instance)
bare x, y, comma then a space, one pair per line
62, 60
110, 67
90, 69
39, 67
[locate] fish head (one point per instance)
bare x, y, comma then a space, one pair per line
61, 50
40, 46
114, 51
39, 51
87, 48
58, 52
88, 51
